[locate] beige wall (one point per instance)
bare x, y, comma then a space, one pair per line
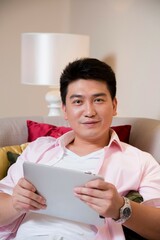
16, 17
125, 33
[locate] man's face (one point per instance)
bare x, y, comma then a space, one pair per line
89, 108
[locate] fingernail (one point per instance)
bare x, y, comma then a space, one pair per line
44, 206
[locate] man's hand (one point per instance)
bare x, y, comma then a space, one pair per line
25, 197
102, 197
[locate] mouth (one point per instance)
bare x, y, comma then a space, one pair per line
90, 123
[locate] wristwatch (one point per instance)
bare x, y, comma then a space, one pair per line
125, 211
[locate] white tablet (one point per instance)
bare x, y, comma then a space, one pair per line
57, 186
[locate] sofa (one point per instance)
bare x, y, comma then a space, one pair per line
144, 134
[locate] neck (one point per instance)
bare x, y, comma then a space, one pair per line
83, 147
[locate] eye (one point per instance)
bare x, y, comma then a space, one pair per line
99, 100
77, 102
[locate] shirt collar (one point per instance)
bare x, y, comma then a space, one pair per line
65, 139
114, 140
68, 137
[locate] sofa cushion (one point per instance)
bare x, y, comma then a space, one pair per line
123, 132
36, 129
4, 162
12, 157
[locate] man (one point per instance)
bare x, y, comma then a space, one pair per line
88, 92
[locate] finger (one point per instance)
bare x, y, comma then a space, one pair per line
89, 195
95, 203
95, 196
22, 201
23, 183
99, 184
28, 203
25, 197
27, 189
27, 194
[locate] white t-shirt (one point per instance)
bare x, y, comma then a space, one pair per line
35, 224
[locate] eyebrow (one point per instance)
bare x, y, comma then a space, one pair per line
81, 96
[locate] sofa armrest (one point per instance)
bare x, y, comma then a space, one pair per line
145, 134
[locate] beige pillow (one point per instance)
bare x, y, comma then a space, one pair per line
4, 163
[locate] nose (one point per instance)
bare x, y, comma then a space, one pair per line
90, 110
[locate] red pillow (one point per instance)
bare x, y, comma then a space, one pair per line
36, 130
123, 132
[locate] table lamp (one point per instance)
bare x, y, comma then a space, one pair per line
43, 58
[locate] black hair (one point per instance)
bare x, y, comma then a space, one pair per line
88, 69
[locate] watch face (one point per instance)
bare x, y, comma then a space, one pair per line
126, 212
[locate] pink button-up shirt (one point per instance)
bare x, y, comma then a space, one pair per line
125, 166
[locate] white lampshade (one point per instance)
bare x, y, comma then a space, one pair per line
45, 55
43, 58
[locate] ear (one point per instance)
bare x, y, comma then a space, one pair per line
64, 111
114, 102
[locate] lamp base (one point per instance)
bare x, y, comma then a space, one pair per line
54, 102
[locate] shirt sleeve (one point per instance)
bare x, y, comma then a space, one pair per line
9, 231
15, 172
34, 152
150, 183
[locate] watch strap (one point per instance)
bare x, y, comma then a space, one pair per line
125, 211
